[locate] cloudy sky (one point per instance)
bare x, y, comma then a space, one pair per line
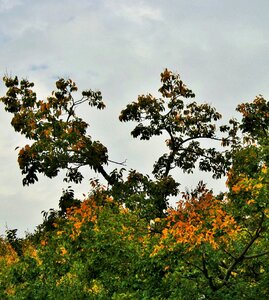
220, 48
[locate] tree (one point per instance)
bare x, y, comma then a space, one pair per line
185, 123
60, 138
123, 241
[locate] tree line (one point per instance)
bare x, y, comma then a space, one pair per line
124, 241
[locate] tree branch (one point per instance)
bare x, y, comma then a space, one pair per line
172, 153
107, 177
207, 276
242, 256
256, 255
123, 163
199, 137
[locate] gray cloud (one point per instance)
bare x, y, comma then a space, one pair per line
7, 5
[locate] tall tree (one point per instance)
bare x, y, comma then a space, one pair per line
185, 123
61, 141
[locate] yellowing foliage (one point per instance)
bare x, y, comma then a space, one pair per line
86, 212
9, 256
251, 188
199, 218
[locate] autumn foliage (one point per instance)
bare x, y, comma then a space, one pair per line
125, 240
199, 218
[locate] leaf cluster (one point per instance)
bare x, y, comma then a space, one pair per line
60, 139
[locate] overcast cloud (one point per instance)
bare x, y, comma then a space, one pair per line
220, 48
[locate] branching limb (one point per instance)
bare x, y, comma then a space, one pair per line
242, 256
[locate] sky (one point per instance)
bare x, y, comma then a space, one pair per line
219, 48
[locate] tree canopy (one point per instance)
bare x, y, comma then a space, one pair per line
61, 140
124, 240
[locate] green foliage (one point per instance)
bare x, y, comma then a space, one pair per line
124, 241
14, 241
255, 121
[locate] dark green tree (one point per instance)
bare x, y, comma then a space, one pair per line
185, 123
59, 136
61, 141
